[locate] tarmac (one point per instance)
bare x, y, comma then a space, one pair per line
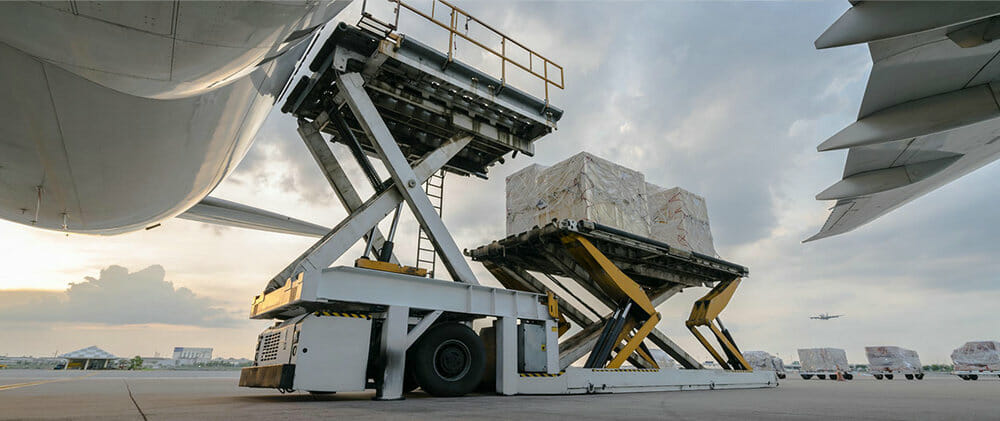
163, 395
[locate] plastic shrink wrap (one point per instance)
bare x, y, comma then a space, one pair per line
823, 359
588, 187
662, 359
764, 361
680, 218
580, 187
977, 356
892, 358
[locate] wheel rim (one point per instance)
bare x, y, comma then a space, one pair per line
452, 360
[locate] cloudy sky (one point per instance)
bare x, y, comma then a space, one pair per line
725, 99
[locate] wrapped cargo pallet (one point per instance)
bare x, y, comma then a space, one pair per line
823, 360
680, 218
977, 356
779, 364
892, 358
662, 359
759, 360
580, 187
588, 187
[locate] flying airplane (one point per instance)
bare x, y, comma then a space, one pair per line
115, 116
826, 316
930, 111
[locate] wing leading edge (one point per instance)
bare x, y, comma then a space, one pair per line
930, 113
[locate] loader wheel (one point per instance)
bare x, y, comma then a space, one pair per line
909, 376
878, 376
448, 360
848, 376
821, 376
833, 377
973, 377
888, 376
963, 377
807, 376
781, 376
919, 376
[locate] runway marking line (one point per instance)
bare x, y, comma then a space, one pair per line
41, 382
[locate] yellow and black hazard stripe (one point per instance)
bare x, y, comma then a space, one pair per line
336, 314
636, 370
542, 374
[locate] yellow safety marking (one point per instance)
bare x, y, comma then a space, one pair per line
335, 314
40, 382
641, 370
542, 374
389, 267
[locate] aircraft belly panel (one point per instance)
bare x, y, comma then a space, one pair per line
113, 162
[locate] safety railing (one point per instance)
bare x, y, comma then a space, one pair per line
550, 72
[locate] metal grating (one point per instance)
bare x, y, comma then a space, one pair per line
269, 346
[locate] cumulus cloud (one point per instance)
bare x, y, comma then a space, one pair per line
116, 297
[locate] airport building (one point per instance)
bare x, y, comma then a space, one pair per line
89, 358
191, 356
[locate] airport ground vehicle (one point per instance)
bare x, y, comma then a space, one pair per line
823, 363
389, 327
890, 374
823, 375
887, 362
974, 375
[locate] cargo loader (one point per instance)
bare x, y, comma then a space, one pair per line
393, 328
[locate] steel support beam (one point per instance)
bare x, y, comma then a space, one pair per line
335, 243
311, 134
578, 345
507, 377
393, 353
406, 181
421, 327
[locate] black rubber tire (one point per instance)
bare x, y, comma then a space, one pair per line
781, 376
409, 380
888, 376
448, 360
973, 377
833, 377
908, 376
806, 376
848, 376
963, 377
878, 376
821, 376
919, 376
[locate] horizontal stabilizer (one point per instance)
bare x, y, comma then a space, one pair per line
877, 181
922, 117
223, 212
878, 20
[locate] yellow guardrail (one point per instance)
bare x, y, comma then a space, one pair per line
549, 72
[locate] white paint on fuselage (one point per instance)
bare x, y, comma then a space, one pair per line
115, 142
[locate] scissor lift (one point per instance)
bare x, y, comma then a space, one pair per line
385, 326
627, 273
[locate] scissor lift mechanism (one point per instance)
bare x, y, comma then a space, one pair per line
419, 112
627, 273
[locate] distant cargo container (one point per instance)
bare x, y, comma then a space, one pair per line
764, 361
978, 358
885, 362
823, 362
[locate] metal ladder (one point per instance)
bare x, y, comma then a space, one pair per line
434, 187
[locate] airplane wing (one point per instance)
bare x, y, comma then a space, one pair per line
223, 212
930, 110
